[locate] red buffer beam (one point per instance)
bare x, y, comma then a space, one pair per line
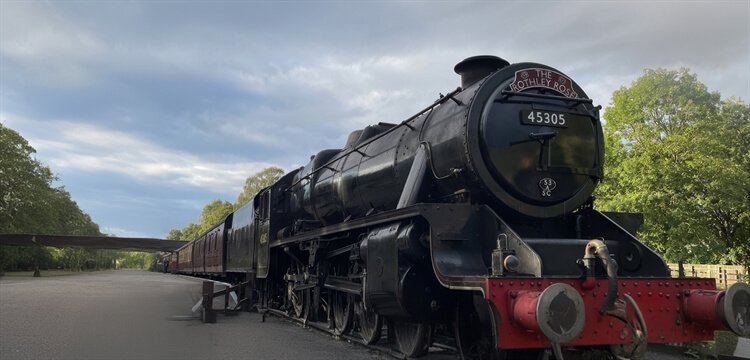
535, 311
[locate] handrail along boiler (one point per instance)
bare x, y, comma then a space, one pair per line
473, 216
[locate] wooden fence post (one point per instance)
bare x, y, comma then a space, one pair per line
226, 301
726, 284
209, 316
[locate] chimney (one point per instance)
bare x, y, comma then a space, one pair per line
476, 68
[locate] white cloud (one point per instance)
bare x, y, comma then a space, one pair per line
72, 146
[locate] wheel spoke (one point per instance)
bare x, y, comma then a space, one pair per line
370, 324
469, 341
472, 340
412, 338
297, 299
343, 309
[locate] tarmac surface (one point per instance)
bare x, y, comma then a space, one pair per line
143, 315
129, 314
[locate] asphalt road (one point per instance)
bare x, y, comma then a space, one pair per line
143, 315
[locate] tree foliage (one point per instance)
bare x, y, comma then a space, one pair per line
217, 210
679, 154
190, 232
136, 260
255, 183
30, 204
174, 234
212, 213
24, 181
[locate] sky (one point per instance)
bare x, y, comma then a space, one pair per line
149, 110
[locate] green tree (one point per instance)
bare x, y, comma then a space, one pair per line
190, 232
673, 155
255, 183
136, 260
29, 204
24, 181
732, 222
174, 234
213, 213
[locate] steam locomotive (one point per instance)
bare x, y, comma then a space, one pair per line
474, 217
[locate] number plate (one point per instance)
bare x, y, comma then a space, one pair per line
545, 118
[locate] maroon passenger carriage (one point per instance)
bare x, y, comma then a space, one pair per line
205, 254
472, 219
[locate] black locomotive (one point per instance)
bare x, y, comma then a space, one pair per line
473, 218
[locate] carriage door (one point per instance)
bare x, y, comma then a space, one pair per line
262, 212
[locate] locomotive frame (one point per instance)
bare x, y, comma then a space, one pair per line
474, 215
